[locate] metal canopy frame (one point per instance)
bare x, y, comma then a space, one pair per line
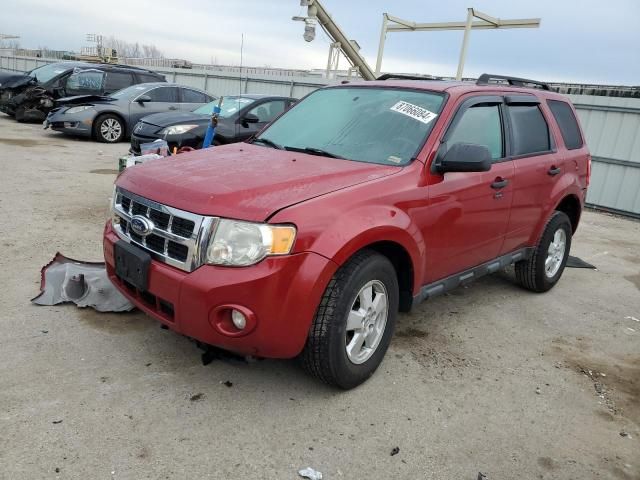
395, 24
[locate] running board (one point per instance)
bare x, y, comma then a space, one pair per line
441, 286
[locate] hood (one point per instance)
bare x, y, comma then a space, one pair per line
166, 119
82, 99
14, 80
244, 181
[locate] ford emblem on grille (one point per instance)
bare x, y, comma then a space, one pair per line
141, 225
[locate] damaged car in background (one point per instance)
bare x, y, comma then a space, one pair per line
30, 96
110, 118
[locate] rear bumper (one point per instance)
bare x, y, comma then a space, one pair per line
281, 294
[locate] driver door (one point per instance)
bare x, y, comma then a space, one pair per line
469, 211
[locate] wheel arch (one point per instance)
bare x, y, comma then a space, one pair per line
570, 205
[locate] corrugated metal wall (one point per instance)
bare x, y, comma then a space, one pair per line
611, 124
612, 129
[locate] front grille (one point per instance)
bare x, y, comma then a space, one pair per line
174, 238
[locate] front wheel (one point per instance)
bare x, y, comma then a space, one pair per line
108, 129
544, 268
354, 323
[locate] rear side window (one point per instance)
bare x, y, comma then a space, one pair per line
147, 78
192, 96
164, 94
567, 122
117, 81
480, 125
530, 132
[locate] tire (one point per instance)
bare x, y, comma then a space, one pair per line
533, 273
325, 354
19, 114
108, 128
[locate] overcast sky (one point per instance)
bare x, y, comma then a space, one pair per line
589, 41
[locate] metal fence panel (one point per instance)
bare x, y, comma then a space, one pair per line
612, 129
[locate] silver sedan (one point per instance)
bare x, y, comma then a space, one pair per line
111, 118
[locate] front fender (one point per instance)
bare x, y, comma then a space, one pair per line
363, 226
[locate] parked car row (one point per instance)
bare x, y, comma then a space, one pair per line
111, 103
30, 96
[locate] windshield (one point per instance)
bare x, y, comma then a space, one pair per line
375, 125
47, 72
129, 92
230, 105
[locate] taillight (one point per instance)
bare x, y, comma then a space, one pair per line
588, 169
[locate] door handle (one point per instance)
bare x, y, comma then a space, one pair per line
499, 183
173, 108
553, 171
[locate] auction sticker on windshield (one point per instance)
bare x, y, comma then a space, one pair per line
414, 111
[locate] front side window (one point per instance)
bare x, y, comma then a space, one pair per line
164, 94
268, 110
529, 130
480, 125
370, 124
85, 81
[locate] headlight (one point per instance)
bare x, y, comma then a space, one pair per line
177, 129
239, 244
81, 108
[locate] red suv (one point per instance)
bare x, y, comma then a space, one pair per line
360, 201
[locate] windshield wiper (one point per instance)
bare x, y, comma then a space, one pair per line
314, 151
267, 142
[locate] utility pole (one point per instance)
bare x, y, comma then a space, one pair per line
395, 24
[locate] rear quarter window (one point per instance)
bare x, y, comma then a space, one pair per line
567, 122
529, 130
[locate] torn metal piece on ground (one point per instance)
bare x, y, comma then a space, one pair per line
84, 283
310, 473
575, 262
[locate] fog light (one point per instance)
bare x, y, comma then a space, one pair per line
238, 319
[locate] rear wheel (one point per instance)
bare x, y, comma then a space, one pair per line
544, 268
354, 323
108, 128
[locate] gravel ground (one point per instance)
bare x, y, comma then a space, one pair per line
489, 378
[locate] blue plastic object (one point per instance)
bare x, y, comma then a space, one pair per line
211, 129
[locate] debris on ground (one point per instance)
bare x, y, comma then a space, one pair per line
310, 473
56, 422
481, 476
575, 262
395, 451
197, 397
212, 353
84, 283
624, 434
629, 317
227, 383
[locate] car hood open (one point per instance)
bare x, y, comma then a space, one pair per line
14, 80
244, 181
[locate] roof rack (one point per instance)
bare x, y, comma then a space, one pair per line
395, 76
485, 79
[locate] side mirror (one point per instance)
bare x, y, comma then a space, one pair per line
250, 118
143, 99
465, 157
